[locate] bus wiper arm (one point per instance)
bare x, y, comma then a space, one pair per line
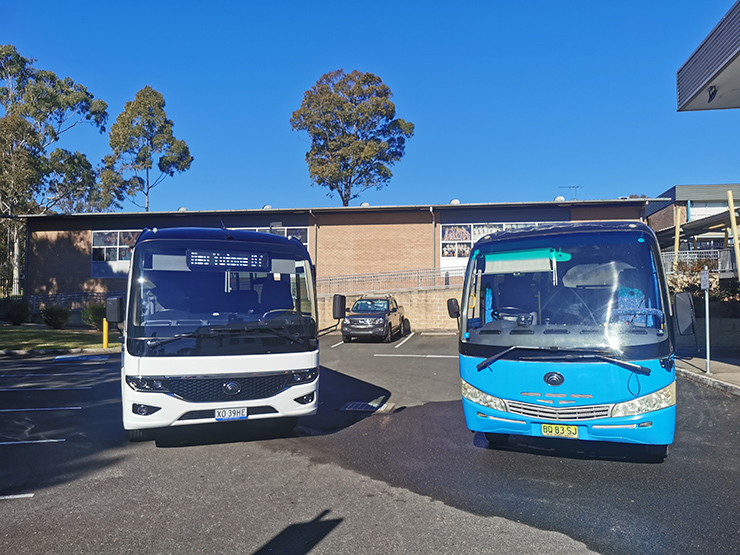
555, 350
157, 341
215, 332
239, 330
636, 368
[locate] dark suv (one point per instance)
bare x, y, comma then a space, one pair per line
373, 316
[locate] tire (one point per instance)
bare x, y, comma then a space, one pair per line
656, 453
346, 338
137, 435
285, 425
496, 439
402, 328
388, 334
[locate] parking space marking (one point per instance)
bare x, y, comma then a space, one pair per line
62, 375
14, 389
415, 356
40, 409
32, 441
72, 358
404, 341
337, 345
18, 496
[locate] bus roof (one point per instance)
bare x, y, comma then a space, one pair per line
545, 230
219, 234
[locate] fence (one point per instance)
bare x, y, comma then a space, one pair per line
717, 260
436, 278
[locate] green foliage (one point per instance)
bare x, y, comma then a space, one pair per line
15, 311
355, 136
36, 109
93, 314
142, 134
56, 317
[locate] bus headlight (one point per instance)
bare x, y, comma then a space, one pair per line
661, 399
147, 384
480, 398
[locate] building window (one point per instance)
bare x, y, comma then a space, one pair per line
300, 233
458, 239
111, 253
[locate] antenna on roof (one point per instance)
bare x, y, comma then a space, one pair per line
574, 188
223, 226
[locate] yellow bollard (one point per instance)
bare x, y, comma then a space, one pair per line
105, 333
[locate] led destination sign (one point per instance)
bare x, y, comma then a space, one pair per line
236, 260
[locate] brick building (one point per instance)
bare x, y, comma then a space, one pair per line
91, 252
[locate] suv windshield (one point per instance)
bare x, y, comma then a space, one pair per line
567, 290
209, 298
370, 305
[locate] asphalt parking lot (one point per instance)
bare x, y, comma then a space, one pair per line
387, 466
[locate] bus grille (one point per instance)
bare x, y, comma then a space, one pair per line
209, 390
590, 412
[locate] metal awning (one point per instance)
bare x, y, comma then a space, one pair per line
717, 223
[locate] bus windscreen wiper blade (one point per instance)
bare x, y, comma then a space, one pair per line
555, 350
636, 368
216, 332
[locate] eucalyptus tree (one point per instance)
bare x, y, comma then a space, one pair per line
141, 136
355, 135
36, 109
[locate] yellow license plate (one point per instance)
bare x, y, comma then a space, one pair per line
556, 430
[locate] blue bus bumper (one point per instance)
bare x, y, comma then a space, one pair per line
651, 428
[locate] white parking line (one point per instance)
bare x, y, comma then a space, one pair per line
40, 409
416, 356
337, 345
19, 496
11, 389
404, 341
32, 441
62, 375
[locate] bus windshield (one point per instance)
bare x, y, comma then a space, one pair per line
566, 291
205, 298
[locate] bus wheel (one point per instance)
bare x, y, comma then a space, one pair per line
497, 439
137, 435
285, 425
656, 453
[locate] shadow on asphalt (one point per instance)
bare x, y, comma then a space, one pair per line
336, 390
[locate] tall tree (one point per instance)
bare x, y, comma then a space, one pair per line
142, 134
355, 136
37, 107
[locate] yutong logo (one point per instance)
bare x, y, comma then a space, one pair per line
232, 388
554, 378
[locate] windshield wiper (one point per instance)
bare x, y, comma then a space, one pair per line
217, 332
636, 368
490, 360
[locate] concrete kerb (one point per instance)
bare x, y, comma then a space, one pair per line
708, 381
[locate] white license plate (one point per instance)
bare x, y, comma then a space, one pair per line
231, 414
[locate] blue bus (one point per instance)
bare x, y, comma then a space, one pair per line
567, 331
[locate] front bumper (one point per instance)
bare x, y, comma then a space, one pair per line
358, 330
169, 410
651, 428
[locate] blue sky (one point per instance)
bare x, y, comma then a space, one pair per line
512, 101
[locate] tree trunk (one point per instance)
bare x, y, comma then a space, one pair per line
16, 261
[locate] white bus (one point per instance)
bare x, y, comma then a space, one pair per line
218, 325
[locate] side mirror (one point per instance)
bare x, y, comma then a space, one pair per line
339, 307
683, 304
453, 308
684, 325
114, 308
